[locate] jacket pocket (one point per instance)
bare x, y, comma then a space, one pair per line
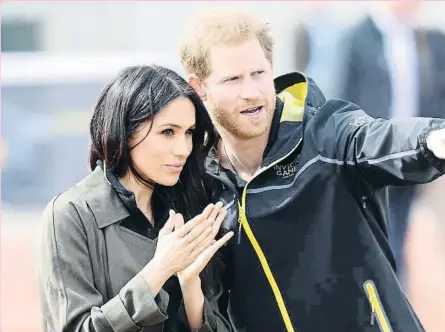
378, 313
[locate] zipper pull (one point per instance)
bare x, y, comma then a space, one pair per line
239, 231
373, 314
240, 220
364, 198
372, 317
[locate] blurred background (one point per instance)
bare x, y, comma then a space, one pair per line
388, 57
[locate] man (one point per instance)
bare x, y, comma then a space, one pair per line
304, 180
392, 68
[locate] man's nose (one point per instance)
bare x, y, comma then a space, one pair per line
250, 90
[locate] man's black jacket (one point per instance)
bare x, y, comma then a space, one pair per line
311, 252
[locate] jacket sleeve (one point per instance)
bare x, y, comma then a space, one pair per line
386, 152
68, 298
215, 286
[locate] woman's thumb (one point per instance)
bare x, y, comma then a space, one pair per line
169, 224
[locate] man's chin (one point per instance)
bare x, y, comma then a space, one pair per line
248, 132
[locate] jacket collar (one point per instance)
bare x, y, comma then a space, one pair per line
297, 95
103, 199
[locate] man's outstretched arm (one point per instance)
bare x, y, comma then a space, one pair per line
388, 152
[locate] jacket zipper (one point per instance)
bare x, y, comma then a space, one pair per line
243, 223
377, 312
263, 169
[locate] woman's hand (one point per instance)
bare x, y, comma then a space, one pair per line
207, 248
180, 244
189, 277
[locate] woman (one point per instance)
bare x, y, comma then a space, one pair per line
114, 254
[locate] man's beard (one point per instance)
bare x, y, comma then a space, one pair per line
227, 120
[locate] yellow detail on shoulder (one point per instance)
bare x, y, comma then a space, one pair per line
293, 98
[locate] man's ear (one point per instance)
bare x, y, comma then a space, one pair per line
198, 85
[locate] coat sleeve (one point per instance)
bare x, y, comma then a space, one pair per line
386, 152
67, 295
215, 285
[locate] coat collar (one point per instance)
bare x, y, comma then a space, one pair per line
102, 198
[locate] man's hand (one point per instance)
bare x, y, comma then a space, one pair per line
436, 143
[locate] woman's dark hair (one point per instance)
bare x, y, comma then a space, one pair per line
136, 95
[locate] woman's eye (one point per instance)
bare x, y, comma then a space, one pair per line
167, 132
190, 131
